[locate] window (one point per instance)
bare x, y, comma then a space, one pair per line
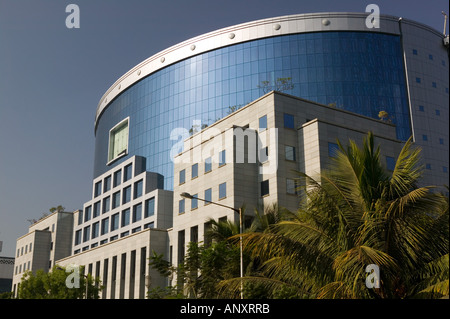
333, 149
438, 112
77, 239
116, 200
433, 84
418, 80
115, 222
421, 108
428, 166
86, 233
107, 184
291, 186
430, 56
117, 178
444, 169
208, 196
105, 226
288, 120
137, 213
424, 137
125, 217
98, 189
194, 170
96, 209
87, 213
290, 153
222, 158
222, 190
149, 207
390, 163
182, 176
138, 189
414, 51
441, 141
263, 122
128, 172
118, 141
126, 195
106, 204
265, 187
181, 206
208, 165
194, 202
95, 230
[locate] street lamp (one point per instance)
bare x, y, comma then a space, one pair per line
241, 225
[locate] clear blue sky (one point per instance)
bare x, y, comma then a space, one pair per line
51, 79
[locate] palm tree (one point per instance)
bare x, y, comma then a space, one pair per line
358, 214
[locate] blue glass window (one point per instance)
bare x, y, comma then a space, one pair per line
182, 177
137, 212
441, 141
390, 163
428, 166
288, 120
208, 165
333, 149
425, 137
222, 158
181, 206
149, 207
194, 201
222, 190
263, 122
126, 194
208, 196
138, 189
421, 108
194, 170
418, 80
438, 112
125, 217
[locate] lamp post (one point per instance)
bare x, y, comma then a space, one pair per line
241, 226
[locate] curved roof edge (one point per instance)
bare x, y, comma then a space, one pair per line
258, 29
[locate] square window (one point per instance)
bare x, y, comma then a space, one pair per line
290, 153
181, 206
390, 163
444, 169
208, 165
424, 137
194, 201
433, 84
333, 149
414, 51
222, 158
125, 217
149, 207
421, 108
428, 166
263, 122
137, 212
118, 141
418, 80
194, 169
208, 196
265, 187
222, 190
182, 176
289, 121
438, 112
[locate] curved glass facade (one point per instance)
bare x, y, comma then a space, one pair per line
361, 72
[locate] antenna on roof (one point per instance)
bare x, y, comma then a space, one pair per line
445, 23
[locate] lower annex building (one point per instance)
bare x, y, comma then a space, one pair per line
206, 117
